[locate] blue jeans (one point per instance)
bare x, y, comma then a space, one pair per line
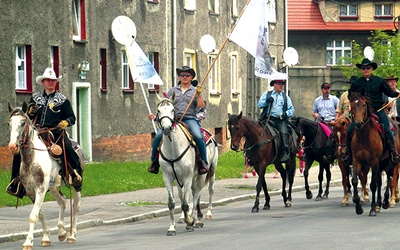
382, 119
194, 127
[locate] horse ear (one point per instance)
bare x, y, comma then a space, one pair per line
9, 108
158, 97
24, 107
239, 116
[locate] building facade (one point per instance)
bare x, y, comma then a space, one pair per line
75, 38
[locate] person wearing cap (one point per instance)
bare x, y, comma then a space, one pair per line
184, 92
392, 107
343, 107
50, 109
374, 87
325, 105
278, 107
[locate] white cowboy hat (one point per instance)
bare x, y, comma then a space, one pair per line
48, 74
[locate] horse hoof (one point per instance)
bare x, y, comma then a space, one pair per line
288, 204
181, 220
190, 228
266, 207
392, 205
325, 196
318, 198
254, 210
345, 204
71, 240
309, 195
171, 233
377, 209
208, 217
27, 247
45, 243
199, 225
359, 209
62, 237
372, 212
385, 205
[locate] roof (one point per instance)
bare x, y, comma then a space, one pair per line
305, 15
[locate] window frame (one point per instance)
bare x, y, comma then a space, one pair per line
27, 68
78, 20
126, 75
348, 15
335, 49
234, 74
154, 58
189, 5
382, 15
103, 69
213, 7
214, 85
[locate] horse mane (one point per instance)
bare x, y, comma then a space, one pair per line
361, 95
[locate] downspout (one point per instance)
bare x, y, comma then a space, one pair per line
174, 28
286, 45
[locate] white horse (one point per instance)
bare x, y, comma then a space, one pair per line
178, 163
39, 173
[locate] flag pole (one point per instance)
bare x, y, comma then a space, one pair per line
216, 57
148, 106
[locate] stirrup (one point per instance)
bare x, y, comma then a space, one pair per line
154, 167
16, 182
395, 157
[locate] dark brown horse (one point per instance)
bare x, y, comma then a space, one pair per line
262, 151
369, 152
315, 147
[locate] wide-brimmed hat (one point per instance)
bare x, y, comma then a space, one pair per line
391, 78
325, 85
367, 62
48, 74
276, 81
352, 79
186, 69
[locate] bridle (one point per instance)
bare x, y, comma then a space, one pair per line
365, 120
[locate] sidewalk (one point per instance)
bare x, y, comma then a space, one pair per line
120, 208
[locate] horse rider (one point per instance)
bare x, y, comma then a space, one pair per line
343, 107
374, 87
393, 107
184, 92
278, 107
49, 109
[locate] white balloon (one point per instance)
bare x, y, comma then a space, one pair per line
207, 44
369, 53
123, 29
290, 56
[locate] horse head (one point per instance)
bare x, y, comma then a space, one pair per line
166, 114
339, 131
19, 124
236, 129
360, 108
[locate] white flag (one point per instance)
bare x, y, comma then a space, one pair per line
252, 34
141, 68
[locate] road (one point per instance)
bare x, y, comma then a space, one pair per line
306, 225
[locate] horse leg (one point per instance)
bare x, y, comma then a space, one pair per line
378, 203
388, 188
364, 179
267, 206
256, 205
309, 194
171, 206
46, 232
394, 187
328, 180
34, 216
290, 170
196, 189
345, 182
210, 195
185, 205
354, 182
75, 212
373, 186
61, 201
282, 172
320, 180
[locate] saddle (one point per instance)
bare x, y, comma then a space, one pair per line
47, 137
207, 135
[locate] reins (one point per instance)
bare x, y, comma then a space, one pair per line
315, 138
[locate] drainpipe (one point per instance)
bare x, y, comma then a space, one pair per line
174, 29
286, 44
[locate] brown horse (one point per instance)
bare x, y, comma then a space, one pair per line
263, 151
369, 152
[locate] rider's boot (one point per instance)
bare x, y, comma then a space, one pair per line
346, 157
155, 165
203, 168
15, 188
286, 151
394, 156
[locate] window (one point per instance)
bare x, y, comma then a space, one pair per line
213, 77
271, 10
78, 22
234, 8
349, 10
55, 62
234, 75
213, 7
154, 59
103, 69
190, 5
153, 1
336, 49
127, 82
383, 10
23, 69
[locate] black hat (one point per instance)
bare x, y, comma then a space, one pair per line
186, 69
352, 79
391, 78
367, 62
276, 81
325, 85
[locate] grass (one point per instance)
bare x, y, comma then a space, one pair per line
119, 177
